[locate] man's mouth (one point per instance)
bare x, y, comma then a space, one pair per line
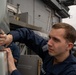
50, 49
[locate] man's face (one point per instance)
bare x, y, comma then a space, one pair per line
57, 45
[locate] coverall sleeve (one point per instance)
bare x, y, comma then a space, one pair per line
71, 71
15, 72
15, 50
32, 40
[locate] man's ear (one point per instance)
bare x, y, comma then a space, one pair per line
70, 46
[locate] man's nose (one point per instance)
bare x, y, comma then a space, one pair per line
50, 42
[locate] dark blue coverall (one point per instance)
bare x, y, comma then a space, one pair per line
39, 46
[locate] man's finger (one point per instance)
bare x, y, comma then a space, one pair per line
2, 32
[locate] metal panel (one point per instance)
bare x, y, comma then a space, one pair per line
29, 65
24, 17
3, 63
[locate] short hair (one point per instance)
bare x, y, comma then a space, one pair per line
70, 32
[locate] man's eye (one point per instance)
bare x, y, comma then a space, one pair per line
56, 40
49, 38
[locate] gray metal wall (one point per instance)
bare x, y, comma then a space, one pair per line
38, 13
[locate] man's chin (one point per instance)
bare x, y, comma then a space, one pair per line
51, 54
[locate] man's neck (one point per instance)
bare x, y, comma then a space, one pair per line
59, 59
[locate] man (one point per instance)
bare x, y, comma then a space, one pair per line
57, 59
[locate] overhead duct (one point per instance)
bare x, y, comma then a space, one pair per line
63, 14
55, 4
68, 2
